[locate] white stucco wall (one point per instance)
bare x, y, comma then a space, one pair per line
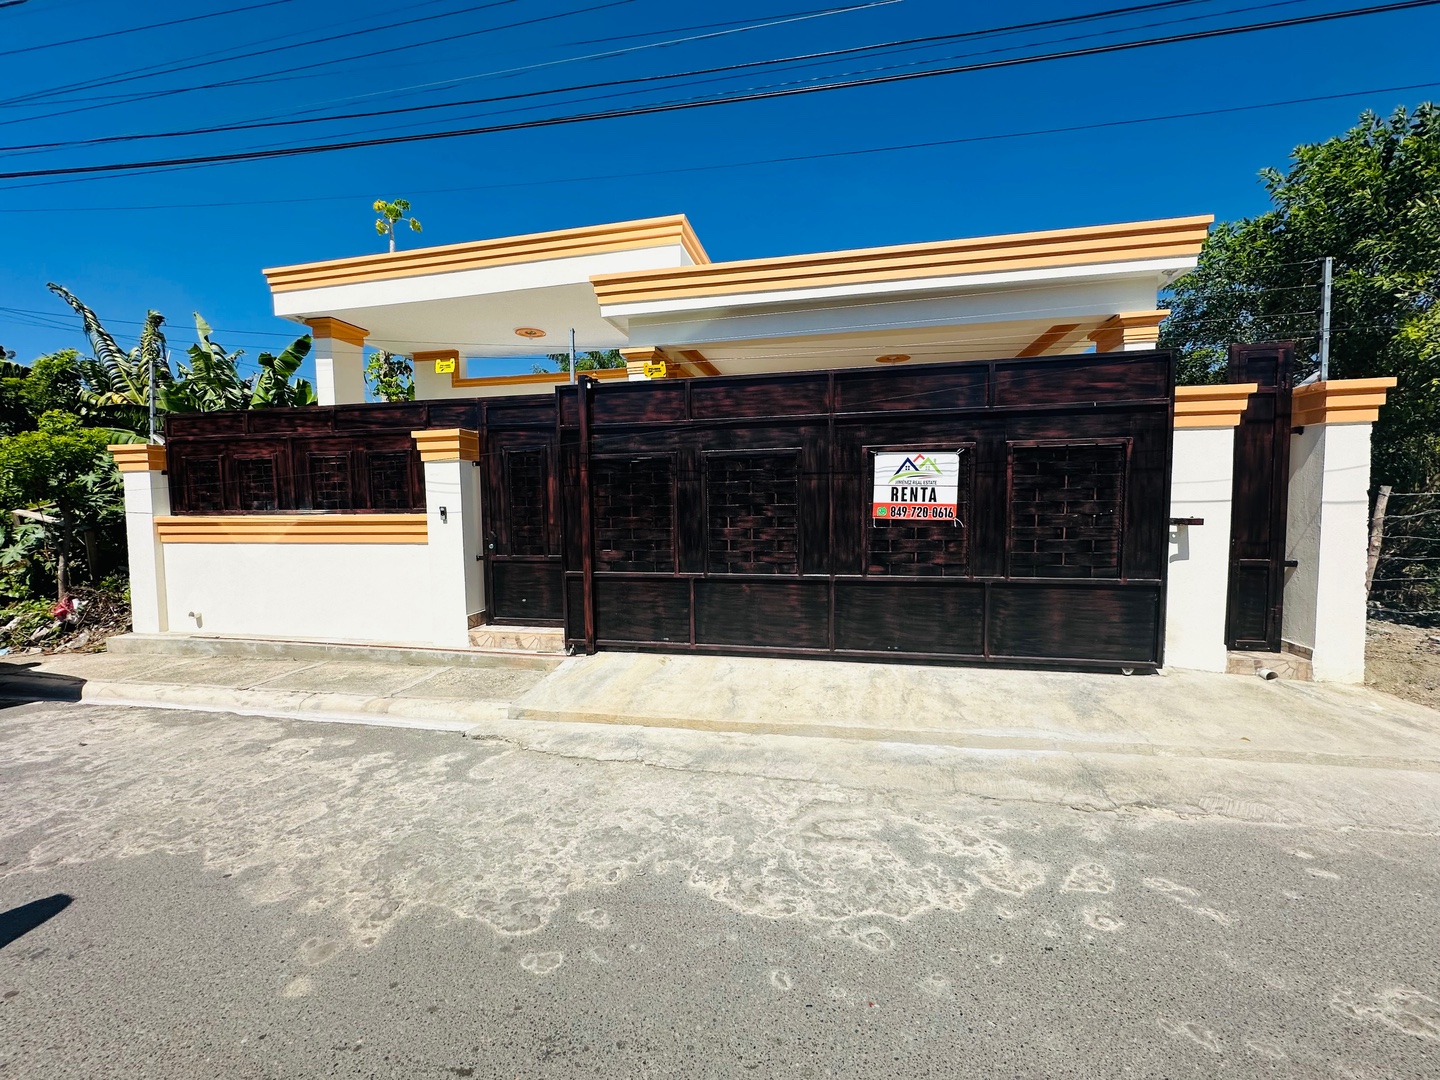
147, 496
456, 583
1327, 532
333, 592
1199, 554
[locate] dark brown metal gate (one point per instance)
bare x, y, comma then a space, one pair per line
1254, 606
732, 514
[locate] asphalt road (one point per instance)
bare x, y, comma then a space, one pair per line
262, 898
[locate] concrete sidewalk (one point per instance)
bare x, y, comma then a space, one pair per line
1178, 714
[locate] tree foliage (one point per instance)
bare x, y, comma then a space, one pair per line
211, 381
1371, 200
63, 474
593, 360
390, 213
116, 383
391, 377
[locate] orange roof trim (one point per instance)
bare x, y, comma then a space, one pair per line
502, 251
1132, 241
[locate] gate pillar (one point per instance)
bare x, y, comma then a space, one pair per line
1201, 488
147, 496
1327, 527
452, 511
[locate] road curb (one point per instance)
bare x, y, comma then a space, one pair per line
430, 714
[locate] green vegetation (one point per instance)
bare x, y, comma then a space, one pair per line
390, 377
390, 213
60, 493
584, 361
1371, 199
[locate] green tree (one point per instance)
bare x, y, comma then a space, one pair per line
593, 360
14, 414
211, 381
391, 377
55, 382
390, 213
63, 476
116, 383
1370, 199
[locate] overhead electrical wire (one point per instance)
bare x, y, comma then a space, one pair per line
291, 72
731, 99
863, 151
608, 84
139, 29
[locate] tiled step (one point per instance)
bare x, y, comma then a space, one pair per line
548, 640
1284, 665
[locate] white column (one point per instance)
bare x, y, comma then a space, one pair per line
1201, 485
452, 510
339, 351
1327, 535
147, 496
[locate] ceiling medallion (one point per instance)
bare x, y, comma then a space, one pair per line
892, 358
529, 332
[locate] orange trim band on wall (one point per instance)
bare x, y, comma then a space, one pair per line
501, 251
1339, 401
294, 529
542, 378
322, 326
138, 457
1218, 406
1168, 238
447, 444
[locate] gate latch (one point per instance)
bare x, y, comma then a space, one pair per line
1187, 521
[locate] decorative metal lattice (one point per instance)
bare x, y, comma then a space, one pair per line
387, 475
525, 492
634, 512
329, 481
254, 483
1067, 510
203, 491
751, 511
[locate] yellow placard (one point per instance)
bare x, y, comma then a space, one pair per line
655, 370
445, 366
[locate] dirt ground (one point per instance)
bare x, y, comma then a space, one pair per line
1404, 661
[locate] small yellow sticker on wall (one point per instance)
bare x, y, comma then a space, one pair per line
655, 370
445, 366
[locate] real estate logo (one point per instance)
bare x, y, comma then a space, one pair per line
917, 468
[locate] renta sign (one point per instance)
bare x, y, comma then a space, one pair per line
917, 484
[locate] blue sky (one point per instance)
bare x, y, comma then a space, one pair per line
196, 238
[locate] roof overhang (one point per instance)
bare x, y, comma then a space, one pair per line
1156, 250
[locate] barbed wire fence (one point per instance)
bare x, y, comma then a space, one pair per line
1403, 573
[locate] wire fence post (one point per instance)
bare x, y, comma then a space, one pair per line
572, 354
1377, 536
1325, 318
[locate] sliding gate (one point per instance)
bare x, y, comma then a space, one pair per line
738, 514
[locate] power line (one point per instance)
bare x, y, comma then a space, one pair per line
138, 29
591, 178
290, 73
645, 110
141, 73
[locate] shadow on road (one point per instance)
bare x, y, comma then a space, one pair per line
17, 922
20, 685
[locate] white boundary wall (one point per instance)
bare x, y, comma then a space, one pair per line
335, 592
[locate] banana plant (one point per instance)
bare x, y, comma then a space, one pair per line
116, 383
273, 388
211, 382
